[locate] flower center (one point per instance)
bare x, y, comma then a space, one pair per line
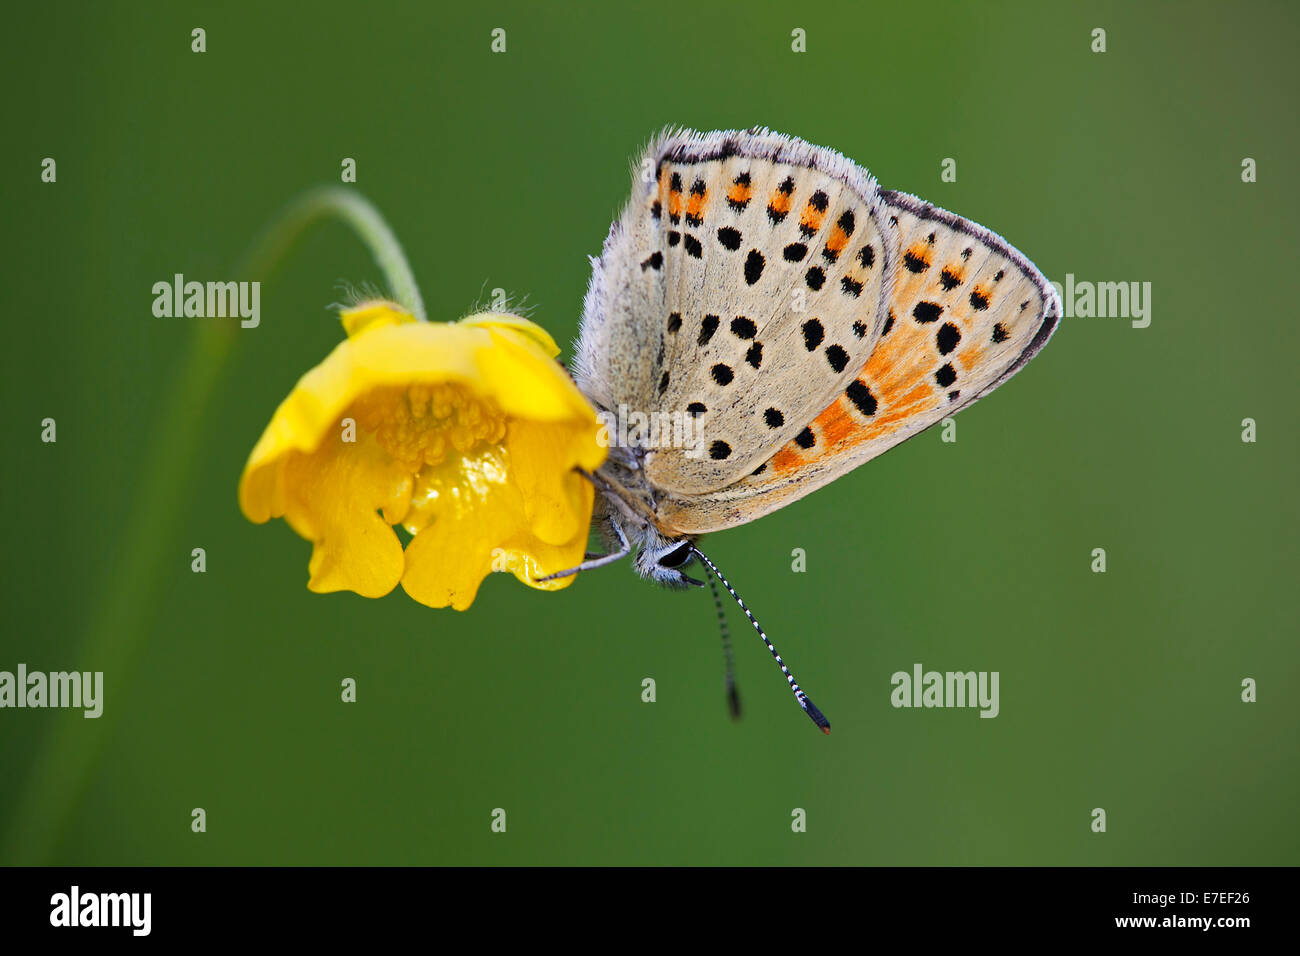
419, 425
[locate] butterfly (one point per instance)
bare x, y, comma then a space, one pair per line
793, 320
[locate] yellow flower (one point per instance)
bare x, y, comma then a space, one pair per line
467, 434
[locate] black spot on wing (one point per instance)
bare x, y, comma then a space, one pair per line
743, 328
860, 395
813, 333
707, 327
927, 312
947, 338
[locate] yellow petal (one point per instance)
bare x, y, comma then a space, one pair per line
332, 498
515, 325
557, 500
370, 315
448, 559
527, 383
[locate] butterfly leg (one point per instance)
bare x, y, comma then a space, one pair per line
599, 483
597, 561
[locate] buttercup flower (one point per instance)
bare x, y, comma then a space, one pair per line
467, 434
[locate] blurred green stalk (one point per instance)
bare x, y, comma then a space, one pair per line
62, 770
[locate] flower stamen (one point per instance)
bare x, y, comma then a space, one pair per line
418, 425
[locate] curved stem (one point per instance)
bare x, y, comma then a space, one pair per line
121, 623
357, 212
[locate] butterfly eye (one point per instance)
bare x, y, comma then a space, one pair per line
677, 557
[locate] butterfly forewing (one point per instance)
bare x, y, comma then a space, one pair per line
770, 259
775, 276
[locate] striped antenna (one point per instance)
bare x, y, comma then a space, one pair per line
808, 706
729, 679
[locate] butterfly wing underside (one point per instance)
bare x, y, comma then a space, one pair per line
965, 312
740, 289
802, 319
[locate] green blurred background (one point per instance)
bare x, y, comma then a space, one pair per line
1118, 690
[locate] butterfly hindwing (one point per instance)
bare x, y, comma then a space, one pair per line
964, 313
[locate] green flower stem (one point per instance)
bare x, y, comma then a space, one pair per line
358, 213
63, 767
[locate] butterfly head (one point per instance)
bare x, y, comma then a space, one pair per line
663, 560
